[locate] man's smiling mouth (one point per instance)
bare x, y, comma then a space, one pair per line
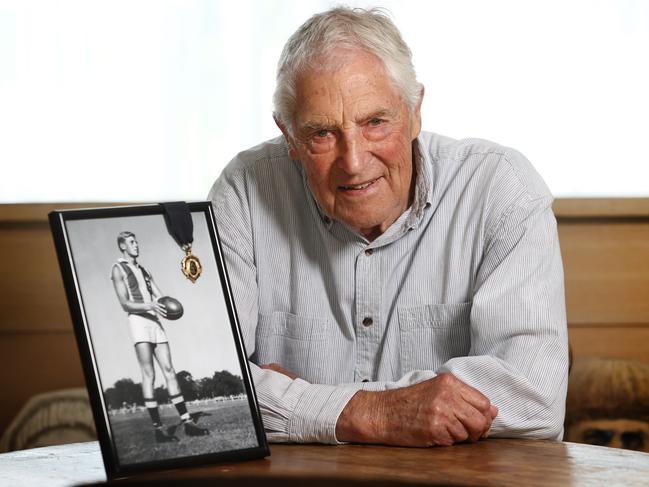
358, 186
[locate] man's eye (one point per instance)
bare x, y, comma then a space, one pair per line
322, 133
376, 122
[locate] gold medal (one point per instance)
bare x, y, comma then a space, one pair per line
190, 264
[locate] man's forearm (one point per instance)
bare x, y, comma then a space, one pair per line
415, 411
438, 411
133, 307
358, 421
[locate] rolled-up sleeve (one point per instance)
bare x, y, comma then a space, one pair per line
519, 343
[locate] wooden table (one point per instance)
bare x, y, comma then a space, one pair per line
489, 462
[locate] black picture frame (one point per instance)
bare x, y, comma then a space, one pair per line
81, 239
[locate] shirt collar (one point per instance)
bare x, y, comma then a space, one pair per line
328, 222
423, 186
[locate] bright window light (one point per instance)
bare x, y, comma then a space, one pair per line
148, 100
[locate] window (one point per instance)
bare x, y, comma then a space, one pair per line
147, 100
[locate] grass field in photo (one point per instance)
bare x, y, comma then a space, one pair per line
229, 422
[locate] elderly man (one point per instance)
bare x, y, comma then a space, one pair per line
394, 286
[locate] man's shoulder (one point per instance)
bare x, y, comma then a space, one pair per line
264, 176
500, 164
268, 152
265, 163
117, 269
441, 147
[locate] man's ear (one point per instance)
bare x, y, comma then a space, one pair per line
415, 117
287, 136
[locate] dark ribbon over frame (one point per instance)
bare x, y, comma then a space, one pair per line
179, 222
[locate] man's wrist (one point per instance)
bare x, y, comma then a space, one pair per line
361, 418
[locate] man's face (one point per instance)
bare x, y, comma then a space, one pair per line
131, 247
353, 134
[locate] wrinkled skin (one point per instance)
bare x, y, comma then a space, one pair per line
353, 135
440, 411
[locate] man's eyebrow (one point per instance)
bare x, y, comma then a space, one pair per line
380, 113
316, 126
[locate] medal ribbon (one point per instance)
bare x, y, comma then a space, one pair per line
179, 222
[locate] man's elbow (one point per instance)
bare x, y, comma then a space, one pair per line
125, 306
546, 423
546, 427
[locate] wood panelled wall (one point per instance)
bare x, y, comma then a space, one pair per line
605, 249
604, 242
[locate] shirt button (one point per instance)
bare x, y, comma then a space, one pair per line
367, 321
369, 252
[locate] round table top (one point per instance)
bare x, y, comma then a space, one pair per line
488, 462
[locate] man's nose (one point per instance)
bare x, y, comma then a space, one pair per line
352, 152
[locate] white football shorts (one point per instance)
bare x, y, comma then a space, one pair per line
146, 330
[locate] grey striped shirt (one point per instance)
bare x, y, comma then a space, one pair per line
468, 281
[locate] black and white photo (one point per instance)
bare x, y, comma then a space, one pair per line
162, 351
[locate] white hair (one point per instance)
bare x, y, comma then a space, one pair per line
343, 27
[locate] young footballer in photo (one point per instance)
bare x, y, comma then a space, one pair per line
139, 296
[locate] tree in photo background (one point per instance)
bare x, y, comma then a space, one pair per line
126, 393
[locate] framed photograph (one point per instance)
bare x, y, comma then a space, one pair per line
158, 334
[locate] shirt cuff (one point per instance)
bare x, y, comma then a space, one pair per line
316, 413
297, 411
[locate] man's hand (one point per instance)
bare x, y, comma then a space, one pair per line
159, 308
439, 411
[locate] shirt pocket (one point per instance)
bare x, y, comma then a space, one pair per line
433, 334
297, 343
